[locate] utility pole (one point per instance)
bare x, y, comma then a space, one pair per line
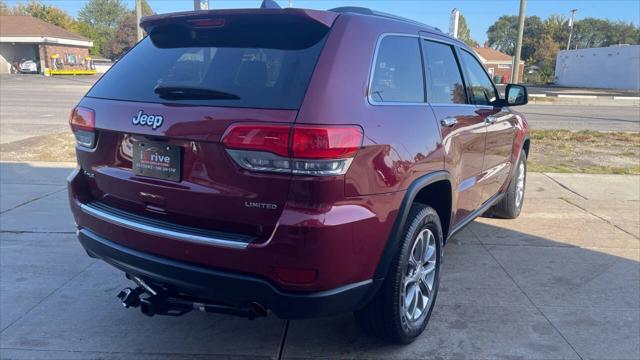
516, 59
290, 3
200, 5
573, 14
454, 22
138, 17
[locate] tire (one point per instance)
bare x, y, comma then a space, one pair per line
511, 204
387, 315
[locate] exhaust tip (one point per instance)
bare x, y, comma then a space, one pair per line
257, 310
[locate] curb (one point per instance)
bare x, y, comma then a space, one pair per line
570, 99
626, 97
578, 96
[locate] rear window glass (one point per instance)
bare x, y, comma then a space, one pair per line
235, 66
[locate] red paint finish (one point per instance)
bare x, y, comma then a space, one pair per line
333, 229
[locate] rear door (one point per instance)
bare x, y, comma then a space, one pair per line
162, 110
463, 129
501, 126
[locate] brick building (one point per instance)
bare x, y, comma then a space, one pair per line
498, 64
50, 46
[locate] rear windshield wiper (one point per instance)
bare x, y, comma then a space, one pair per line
192, 93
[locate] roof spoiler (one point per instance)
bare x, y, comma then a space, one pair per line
269, 4
148, 23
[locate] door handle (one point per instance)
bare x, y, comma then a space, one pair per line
490, 119
449, 122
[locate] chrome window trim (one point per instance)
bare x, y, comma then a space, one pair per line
157, 231
453, 104
440, 40
370, 99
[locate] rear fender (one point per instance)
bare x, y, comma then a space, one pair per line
393, 244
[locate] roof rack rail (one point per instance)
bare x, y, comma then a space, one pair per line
367, 11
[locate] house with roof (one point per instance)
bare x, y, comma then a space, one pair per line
498, 64
27, 38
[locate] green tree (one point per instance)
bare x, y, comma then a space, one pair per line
125, 36
623, 33
557, 26
123, 39
104, 14
503, 33
146, 9
545, 58
102, 18
89, 32
47, 13
4, 9
590, 32
464, 33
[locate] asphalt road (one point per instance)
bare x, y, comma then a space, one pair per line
582, 117
36, 105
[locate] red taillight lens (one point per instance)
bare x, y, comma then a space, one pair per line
317, 142
82, 119
271, 138
83, 124
301, 150
206, 23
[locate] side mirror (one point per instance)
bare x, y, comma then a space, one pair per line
516, 95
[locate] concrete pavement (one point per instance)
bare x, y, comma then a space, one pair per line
560, 282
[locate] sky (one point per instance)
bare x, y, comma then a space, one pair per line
480, 14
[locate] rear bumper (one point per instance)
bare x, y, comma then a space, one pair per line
227, 287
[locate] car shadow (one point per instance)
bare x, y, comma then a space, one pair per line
507, 293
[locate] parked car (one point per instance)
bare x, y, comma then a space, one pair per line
28, 66
299, 162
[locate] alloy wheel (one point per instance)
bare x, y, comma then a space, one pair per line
520, 184
419, 279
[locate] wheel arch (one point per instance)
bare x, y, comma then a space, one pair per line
525, 146
428, 190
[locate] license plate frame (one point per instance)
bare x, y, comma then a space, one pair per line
157, 160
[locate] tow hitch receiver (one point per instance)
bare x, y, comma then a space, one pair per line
158, 302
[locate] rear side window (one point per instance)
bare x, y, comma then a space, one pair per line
252, 64
444, 82
397, 72
479, 84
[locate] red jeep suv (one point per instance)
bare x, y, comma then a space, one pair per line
293, 161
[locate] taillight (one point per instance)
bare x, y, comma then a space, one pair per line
302, 149
313, 142
206, 23
271, 138
83, 122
